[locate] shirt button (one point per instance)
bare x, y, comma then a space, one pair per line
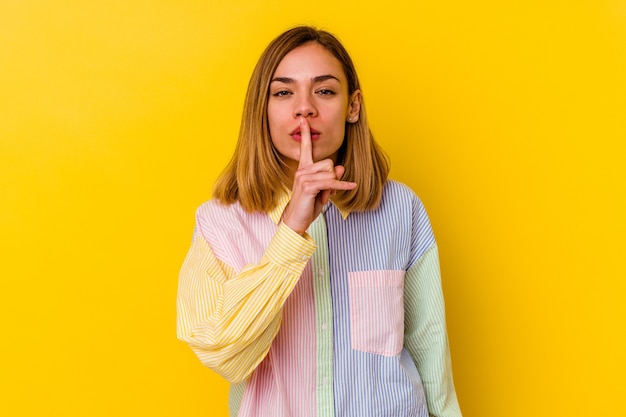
324, 326
303, 258
321, 273
326, 381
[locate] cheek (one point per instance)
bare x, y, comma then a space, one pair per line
341, 113
272, 126
275, 117
339, 121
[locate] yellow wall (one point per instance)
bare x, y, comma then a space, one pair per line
508, 118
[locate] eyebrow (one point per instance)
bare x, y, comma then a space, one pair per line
318, 79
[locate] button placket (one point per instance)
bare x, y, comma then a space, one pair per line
323, 318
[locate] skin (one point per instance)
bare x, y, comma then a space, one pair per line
309, 92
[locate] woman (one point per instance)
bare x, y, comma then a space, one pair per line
312, 283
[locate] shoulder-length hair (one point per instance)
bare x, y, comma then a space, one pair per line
255, 176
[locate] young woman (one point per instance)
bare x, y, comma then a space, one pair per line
312, 283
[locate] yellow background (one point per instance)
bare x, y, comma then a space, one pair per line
506, 117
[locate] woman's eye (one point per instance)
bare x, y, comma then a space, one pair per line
281, 93
326, 92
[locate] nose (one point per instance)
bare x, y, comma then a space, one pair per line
305, 106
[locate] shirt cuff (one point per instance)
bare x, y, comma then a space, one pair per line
290, 250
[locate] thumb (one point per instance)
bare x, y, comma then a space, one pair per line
339, 171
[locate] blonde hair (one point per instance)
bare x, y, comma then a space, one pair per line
255, 177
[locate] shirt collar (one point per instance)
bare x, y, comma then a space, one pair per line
277, 212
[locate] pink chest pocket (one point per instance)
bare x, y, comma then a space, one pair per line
377, 311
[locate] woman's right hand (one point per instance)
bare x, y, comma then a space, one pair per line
313, 184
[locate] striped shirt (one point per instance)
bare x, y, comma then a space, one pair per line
345, 321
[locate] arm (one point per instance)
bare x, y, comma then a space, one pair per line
229, 319
426, 338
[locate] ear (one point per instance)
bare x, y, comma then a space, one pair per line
354, 106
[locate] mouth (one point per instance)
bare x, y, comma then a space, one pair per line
297, 136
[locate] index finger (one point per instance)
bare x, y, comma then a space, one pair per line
306, 148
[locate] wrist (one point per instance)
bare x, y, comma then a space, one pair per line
299, 230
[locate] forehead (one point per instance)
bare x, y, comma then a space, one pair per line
308, 61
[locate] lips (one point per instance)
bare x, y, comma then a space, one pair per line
296, 135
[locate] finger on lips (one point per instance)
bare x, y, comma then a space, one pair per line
306, 148
324, 173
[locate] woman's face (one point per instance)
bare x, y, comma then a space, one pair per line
309, 82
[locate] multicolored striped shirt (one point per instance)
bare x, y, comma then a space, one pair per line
345, 321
